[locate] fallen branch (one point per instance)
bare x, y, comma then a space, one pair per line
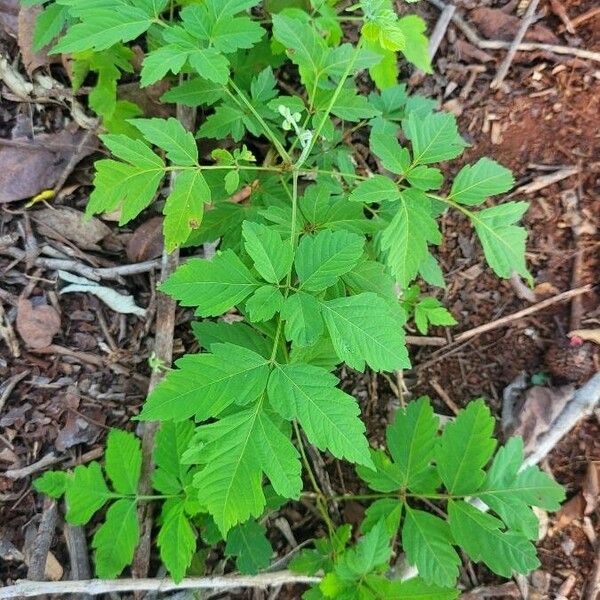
510, 55
43, 541
28, 589
474, 38
564, 296
583, 403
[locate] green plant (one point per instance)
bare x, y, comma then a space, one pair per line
319, 262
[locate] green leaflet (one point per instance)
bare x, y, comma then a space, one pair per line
100, 28
123, 461
322, 259
184, 207
509, 491
116, 539
466, 447
365, 331
375, 189
388, 509
176, 539
205, 384
434, 137
328, 416
474, 183
171, 476
427, 542
430, 311
248, 543
264, 303
303, 321
481, 536
170, 135
213, 286
405, 240
86, 493
271, 255
503, 242
51, 483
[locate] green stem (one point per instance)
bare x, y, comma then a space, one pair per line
266, 129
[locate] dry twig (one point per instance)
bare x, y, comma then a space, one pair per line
43, 541
474, 38
95, 587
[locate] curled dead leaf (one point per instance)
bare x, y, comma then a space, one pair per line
69, 223
37, 324
147, 241
29, 166
494, 23
32, 59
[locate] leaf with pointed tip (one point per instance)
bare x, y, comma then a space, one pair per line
405, 240
205, 384
329, 416
176, 539
321, 259
250, 546
86, 493
375, 189
303, 322
387, 509
386, 147
480, 536
264, 303
427, 542
503, 242
363, 329
474, 183
465, 448
123, 461
184, 207
172, 439
214, 286
271, 255
434, 137
171, 136
116, 539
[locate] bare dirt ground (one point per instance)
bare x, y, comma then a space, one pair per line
60, 394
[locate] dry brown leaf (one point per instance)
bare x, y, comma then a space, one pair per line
591, 487
587, 335
9, 11
539, 410
37, 165
493, 23
69, 223
25, 29
37, 325
78, 429
570, 511
147, 241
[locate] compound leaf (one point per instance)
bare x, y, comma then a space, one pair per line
430, 311
214, 286
465, 448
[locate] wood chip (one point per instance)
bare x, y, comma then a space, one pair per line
37, 324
